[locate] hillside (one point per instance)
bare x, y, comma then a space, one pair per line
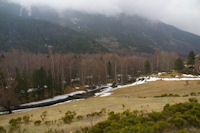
146, 97
120, 34
123, 33
34, 35
133, 32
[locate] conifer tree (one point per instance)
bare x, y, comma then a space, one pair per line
191, 58
19, 83
109, 69
179, 65
25, 84
39, 79
50, 84
147, 67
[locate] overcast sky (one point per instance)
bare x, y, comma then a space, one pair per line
184, 14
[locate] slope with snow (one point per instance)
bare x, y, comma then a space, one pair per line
143, 80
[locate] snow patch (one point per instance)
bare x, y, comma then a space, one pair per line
191, 76
29, 109
161, 73
55, 98
143, 80
106, 94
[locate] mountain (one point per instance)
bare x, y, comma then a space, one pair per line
123, 34
34, 35
130, 33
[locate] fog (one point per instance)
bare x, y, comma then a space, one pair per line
184, 14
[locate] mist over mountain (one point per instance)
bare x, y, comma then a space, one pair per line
23, 32
120, 33
184, 14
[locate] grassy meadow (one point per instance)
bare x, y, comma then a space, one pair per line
152, 96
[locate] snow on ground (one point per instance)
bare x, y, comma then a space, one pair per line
161, 73
143, 80
29, 109
68, 102
105, 94
20, 110
191, 76
63, 96
55, 98
108, 89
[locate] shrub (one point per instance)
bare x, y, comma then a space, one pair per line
26, 119
186, 95
102, 111
43, 115
79, 117
19, 119
193, 100
193, 94
37, 123
167, 95
177, 122
15, 122
113, 116
69, 116
2, 129
48, 122
160, 126
177, 116
85, 130
191, 119
181, 131
156, 116
92, 116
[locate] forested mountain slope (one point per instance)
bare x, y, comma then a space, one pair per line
34, 35
121, 34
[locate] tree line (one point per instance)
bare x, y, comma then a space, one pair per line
32, 76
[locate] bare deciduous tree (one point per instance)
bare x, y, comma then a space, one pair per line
8, 97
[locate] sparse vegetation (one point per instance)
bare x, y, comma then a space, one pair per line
186, 95
79, 117
193, 100
181, 131
15, 122
172, 118
43, 115
26, 119
2, 129
167, 95
193, 94
102, 106
69, 116
37, 123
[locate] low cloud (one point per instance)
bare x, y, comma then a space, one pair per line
184, 14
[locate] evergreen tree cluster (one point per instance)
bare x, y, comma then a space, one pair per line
191, 58
147, 67
35, 35
179, 64
37, 84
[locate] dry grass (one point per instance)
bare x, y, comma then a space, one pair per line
139, 97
